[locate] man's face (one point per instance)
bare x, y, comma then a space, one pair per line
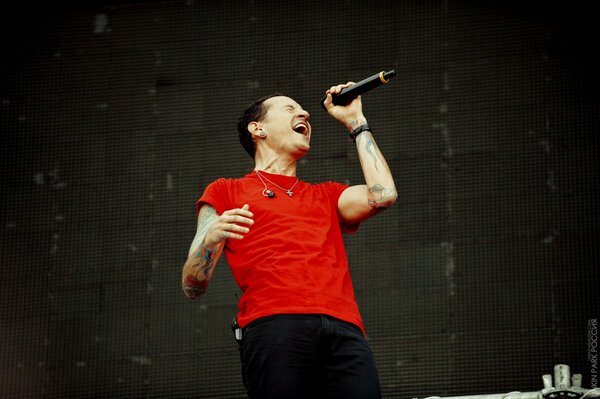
287, 127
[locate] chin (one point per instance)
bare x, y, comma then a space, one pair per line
302, 152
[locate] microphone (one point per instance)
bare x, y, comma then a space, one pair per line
350, 93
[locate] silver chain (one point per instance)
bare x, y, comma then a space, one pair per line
288, 191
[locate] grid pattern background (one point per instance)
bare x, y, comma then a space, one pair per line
115, 116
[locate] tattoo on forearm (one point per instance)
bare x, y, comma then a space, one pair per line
206, 213
370, 147
199, 266
354, 123
381, 195
203, 260
196, 278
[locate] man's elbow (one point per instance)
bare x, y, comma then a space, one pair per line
194, 288
384, 201
391, 199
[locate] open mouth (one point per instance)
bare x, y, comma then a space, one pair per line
301, 128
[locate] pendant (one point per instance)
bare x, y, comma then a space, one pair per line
288, 192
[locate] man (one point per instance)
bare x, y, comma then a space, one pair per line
303, 335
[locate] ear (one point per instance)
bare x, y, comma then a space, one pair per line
255, 129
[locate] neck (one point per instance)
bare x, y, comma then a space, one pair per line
277, 165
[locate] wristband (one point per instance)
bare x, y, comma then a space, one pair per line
359, 130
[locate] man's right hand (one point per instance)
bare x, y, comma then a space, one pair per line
228, 226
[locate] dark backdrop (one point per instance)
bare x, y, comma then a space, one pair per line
115, 116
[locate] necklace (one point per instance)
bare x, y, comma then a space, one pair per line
268, 193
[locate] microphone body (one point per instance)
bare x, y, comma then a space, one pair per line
350, 93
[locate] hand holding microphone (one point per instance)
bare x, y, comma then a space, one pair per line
348, 94
349, 115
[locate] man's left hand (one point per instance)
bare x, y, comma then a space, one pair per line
350, 115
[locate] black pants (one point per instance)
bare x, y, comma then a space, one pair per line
307, 356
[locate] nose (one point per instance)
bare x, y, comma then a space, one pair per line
304, 114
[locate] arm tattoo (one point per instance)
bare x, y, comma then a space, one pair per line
370, 147
380, 197
354, 123
195, 282
206, 213
193, 287
201, 263
203, 260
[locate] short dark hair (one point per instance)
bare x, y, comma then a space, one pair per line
254, 113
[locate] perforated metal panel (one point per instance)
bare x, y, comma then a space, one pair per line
116, 116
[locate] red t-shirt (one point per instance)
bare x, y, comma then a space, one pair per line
293, 259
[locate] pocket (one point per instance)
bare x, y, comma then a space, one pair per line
351, 328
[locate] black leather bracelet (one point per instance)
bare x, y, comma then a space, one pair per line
359, 130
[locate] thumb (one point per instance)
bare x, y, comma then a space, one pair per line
246, 207
328, 100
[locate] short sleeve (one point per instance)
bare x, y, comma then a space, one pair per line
335, 191
215, 195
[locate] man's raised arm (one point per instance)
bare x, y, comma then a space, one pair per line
360, 202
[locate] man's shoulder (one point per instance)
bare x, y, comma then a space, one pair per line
230, 180
331, 189
329, 184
